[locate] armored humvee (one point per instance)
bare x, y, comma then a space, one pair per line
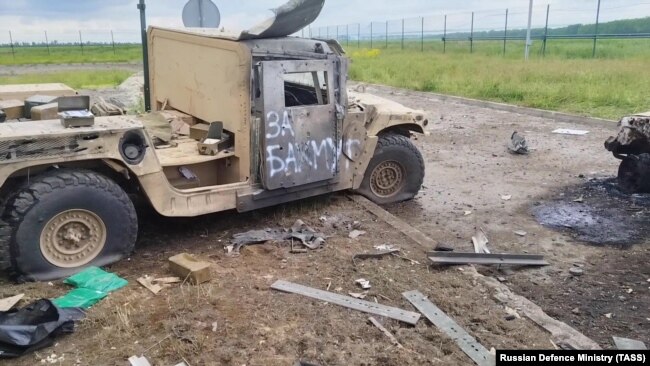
270, 120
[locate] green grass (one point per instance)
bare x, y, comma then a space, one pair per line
610, 86
70, 55
74, 79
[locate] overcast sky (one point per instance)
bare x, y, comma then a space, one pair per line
28, 19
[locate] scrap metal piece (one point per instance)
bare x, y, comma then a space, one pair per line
378, 255
402, 315
479, 354
484, 258
288, 19
627, 344
139, 361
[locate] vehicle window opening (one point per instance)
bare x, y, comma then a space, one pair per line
306, 88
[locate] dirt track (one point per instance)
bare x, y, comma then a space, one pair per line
468, 169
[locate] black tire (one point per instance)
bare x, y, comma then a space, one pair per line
40, 204
394, 155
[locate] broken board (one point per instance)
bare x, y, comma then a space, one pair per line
24, 91
8, 303
479, 354
406, 229
484, 258
405, 316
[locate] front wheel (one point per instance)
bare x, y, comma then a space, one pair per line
66, 220
395, 172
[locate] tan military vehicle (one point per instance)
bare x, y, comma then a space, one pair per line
270, 121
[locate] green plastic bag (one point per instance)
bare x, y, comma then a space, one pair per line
79, 298
92, 285
94, 278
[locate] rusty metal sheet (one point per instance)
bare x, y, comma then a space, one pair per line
288, 19
300, 144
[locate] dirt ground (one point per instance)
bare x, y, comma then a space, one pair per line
468, 169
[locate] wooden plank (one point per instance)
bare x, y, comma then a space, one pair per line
388, 334
8, 303
414, 234
402, 315
146, 281
479, 354
24, 91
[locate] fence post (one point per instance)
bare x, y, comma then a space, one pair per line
422, 37
113, 42
327, 31
444, 37
359, 35
47, 44
387, 34
548, 9
310, 34
81, 43
530, 23
337, 33
370, 35
471, 36
347, 35
505, 34
11, 41
402, 33
596, 30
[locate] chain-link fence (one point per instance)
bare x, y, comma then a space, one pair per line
504, 31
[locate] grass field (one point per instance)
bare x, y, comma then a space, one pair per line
566, 78
76, 80
606, 87
69, 55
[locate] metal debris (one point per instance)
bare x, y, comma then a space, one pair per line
518, 144
365, 284
452, 258
520, 233
627, 344
568, 131
139, 361
358, 295
479, 354
378, 255
356, 233
299, 231
402, 315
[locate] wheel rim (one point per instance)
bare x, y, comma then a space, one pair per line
387, 179
73, 238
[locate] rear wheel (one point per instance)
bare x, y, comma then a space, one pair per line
395, 172
66, 220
